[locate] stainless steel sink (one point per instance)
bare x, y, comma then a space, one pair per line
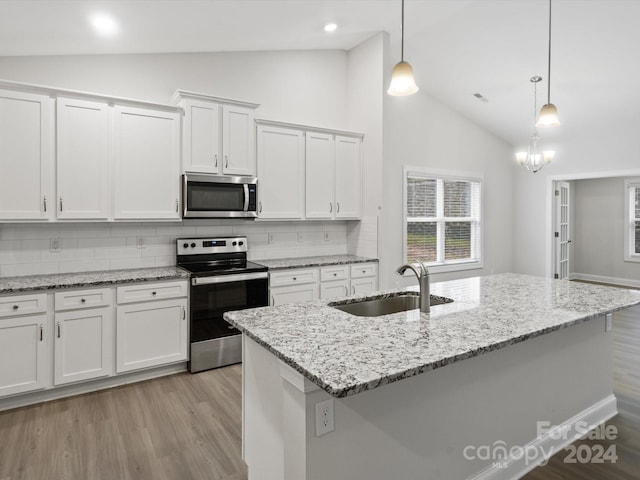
386, 305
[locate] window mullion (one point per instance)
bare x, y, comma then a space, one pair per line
440, 215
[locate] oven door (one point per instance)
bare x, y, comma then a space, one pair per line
214, 342
212, 196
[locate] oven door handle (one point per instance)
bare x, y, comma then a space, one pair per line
246, 197
241, 277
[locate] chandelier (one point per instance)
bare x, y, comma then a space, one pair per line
535, 158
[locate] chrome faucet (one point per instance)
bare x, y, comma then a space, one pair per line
423, 280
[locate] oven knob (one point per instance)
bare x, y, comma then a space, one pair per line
241, 243
235, 243
185, 245
193, 245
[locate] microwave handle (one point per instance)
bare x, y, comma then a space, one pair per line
246, 197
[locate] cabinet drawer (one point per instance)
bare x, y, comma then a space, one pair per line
364, 270
23, 305
98, 297
293, 277
153, 291
338, 272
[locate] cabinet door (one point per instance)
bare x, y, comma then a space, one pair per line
83, 345
362, 286
320, 154
26, 156
83, 159
238, 144
294, 294
338, 288
201, 139
22, 354
150, 334
348, 177
147, 164
280, 173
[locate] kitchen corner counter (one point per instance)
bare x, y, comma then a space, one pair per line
318, 261
88, 279
345, 354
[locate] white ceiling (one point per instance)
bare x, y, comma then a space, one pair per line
457, 47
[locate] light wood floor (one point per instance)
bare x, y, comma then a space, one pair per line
187, 427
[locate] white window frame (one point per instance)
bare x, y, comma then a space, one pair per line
629, 220
477, 245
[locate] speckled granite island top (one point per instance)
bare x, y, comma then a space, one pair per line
319, 261
88, 279
345, 354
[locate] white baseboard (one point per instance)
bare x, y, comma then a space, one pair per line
624, 282
30, 398
545, 446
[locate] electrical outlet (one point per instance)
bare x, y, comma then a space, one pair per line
54, 246
324, 417
139, 242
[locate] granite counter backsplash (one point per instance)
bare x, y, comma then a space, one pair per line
319, 261
88, 279
346, 354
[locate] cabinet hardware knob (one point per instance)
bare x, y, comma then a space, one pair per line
60, 203
154, 293
58, 329
226, 159
184, 313
330, 207
215, 157
41, 332
16, 307
294, 278
337, 207
364, 271
335, 274
83, 300
44, 202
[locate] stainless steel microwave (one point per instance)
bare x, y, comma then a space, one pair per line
215, 196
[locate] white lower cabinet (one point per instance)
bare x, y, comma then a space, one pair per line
300, 285
83, 345
23, 343
149, 334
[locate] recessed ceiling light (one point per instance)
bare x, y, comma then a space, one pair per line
330, 27
104, 24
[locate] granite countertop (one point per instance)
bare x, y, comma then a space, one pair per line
319, 261
88, 279
345, 354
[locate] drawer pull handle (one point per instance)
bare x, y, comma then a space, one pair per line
59, 330
335, 274
364, 271
44, 201
226, 159
154, 293
346, 290
337, 207
294, 278
215, 157
41, 332
353, 289
330, 207
16, 307
83, 300
184, 313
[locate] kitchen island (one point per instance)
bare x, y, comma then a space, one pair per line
460, 393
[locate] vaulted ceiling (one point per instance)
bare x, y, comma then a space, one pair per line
457, 47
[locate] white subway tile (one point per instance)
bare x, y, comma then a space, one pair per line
126, 263
102, 242
29, 269
83, 265
217, 230
133, 231
175, 231
19, 256
117, 252
165, 261
84, 231
158, 250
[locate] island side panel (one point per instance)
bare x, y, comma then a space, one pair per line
419, 427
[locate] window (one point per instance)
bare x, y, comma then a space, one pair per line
443, 226
632, 222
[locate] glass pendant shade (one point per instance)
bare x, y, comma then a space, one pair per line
533, 159
402, 81
548, 116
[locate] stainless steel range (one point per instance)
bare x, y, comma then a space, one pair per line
221, 280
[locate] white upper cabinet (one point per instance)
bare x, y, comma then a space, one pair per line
218, 134
320, 175
26, 156
82, 160
146, 159
348, 180
280, 172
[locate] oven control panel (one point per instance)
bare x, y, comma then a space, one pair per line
195, 246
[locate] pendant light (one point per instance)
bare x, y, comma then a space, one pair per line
548, 113
535, 158
402, 82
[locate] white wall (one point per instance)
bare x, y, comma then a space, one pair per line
605, 151
420, 131
598, 238
307, 87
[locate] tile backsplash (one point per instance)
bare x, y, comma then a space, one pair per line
30, 249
